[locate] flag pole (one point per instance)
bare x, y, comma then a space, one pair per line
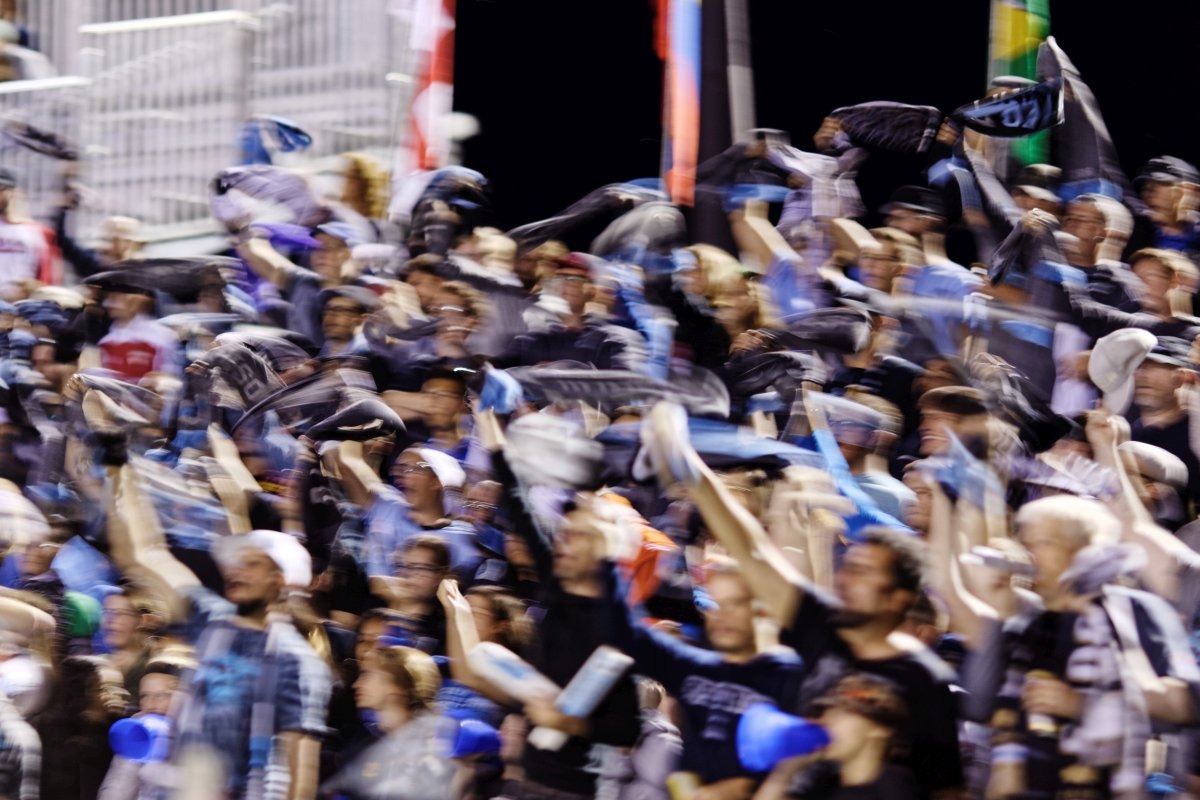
1018, 28
432, 38
681, 101
740, 70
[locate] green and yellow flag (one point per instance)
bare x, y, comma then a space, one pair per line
1018, 28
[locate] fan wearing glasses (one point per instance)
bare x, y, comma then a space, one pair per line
420, 564
413, 504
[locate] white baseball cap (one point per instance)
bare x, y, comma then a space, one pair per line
285, 550
447, 469
1113, 362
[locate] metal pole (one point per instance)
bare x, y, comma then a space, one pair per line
247, 32
740, 70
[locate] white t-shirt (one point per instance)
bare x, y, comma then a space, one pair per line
23, 252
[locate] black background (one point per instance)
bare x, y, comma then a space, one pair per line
568, 92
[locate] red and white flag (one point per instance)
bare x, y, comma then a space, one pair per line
432, 40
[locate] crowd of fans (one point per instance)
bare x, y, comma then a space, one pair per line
902, 512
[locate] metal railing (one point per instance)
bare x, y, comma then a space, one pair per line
172, 80
326, 68
168, 95
53, 25
53, 104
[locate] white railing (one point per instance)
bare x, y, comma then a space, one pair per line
53, 25
325, 66
168, 96
172, 80
52, 104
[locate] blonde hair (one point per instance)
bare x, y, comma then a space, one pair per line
414, 672
492, 245
375, 196
1180, 265
715, 263
545, 257
474, 303
1079, 521
765, 312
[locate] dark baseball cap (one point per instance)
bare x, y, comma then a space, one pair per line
869, 696
1039, 181
364, 297
916, 198
1167, 169
962, 400
1171, 351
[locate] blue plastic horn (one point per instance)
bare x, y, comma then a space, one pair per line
141, 739
766, 736
465, 737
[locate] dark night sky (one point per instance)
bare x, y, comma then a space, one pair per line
568, 91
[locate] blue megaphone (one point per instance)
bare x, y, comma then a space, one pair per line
766, 736
141, 739
463, 737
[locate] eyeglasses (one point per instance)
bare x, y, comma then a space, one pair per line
418, 569
413, 467
478, 505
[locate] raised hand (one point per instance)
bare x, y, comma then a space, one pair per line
667, 442
452, 598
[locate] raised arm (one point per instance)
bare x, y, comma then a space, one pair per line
231, 480
756, 237
968, 613
267, 263
461, 639
1166, 555
775, 582
804, 519
136, 542
361, 485
82, 260
513, 498
358, 480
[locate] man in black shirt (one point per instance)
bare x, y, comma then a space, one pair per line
713, 687
876, 584
575, 620
570, 631
1160, 418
